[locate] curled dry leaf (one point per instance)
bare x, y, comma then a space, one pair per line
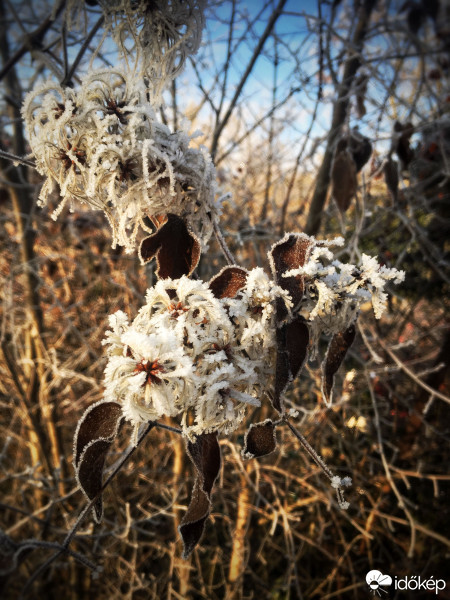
205, 455
344, 181
360, 148
337, 349
390, 172
361, 90
432, 8
415, 17
400, 142
291, 252
177, 250
292, 350
96, 431
228, 282
259, 440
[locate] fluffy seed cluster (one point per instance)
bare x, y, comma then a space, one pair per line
188, 354
158, 35
335, 292
103, 145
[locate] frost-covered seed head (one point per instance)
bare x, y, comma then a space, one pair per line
204, 359
334, 291
103, 145
190, 355
158, 35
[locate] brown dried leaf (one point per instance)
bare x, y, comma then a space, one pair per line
228, 282
337, 349
361, 90
292, 350
259, 440
390, 172
416, 17
400, 142
360, 148
96, 431
205, 455
291, 252
431, 7
344, 181
177, 250
360, 106
90, 473
158, 220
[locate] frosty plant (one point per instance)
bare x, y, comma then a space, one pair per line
200, 352
203, 352
104, 146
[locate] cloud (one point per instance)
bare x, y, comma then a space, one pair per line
378, 577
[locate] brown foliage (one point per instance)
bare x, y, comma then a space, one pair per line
176, 249
344, 181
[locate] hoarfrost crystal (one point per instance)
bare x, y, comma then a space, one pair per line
334, 291
159, 36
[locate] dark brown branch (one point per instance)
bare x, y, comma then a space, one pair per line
340, 110
268, 184
257, 51
84, 47
32, 41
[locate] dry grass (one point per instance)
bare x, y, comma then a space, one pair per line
275, 531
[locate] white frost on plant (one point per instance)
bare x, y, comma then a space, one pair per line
253, 311
336, 482
334, 291
103, 145
203, 359
158, 35
190, 355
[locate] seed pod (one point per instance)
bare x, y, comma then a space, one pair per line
361, 90
400, 142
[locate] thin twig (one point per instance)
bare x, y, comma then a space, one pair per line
414, 377
319, 462
219, 237
83, 49
256, 53
168, 427
32, 40
17, 159
84, 513
387, 471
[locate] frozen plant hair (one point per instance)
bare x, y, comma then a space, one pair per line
182, 356
158, 34
104, 146
334, 291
